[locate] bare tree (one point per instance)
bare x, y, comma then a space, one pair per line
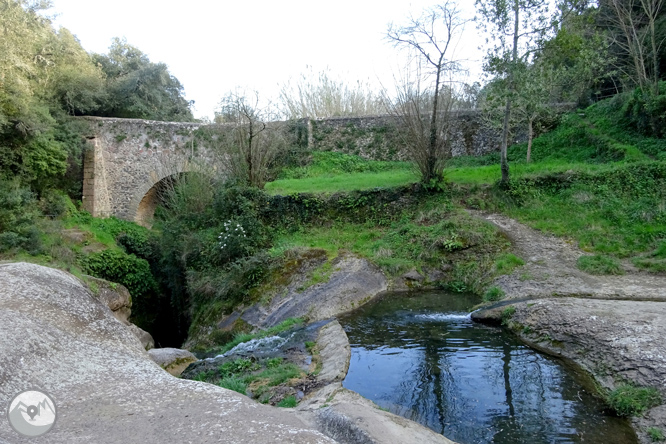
254, 140
431, 37
633, 32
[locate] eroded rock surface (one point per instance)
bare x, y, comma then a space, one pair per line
352, 282
613, 340
114, 296
612, 326
173, 360
55, 336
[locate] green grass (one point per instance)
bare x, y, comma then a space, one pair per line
599, 264
331, 172
506, 263
489, 174
493, 294
276, 375
234, 383
620, 212
655, 434
629, 400
342, 182
288, 402
434, 234
318, 276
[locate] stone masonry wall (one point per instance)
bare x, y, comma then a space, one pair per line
128, 159
378, 137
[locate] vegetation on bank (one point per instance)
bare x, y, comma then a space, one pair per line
630, 400
213, 244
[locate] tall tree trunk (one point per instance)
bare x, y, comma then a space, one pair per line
507, 111
655, 57
530, 135
432, 152
504, 161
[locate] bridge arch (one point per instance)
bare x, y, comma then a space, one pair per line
145, 209
128, 161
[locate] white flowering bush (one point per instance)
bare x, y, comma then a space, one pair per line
232, 239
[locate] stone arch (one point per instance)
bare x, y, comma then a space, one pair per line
147, 205
147, 196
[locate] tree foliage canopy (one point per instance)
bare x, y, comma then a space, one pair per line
139, 88
46, 76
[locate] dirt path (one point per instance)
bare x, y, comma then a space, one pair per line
612, 326
550, 269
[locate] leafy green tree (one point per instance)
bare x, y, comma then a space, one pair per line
579, 52
139, 88
44, 76
517, 28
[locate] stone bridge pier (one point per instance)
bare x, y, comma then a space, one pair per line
130, 161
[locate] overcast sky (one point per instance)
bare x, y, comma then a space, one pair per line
214, 46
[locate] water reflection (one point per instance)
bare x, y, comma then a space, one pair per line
423, 358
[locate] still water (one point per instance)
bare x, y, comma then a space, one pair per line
421, 356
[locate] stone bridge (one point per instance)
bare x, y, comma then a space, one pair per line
129, 161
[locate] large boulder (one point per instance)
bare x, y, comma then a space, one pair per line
117, 297
353, 281
173, 360
55, 336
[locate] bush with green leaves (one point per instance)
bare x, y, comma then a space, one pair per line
18, 216
493, 294
126, 269
646, 110
656, 434
630, 400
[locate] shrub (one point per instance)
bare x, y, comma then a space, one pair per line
288, 402
18, 207
234, 383
55, 204
507, 314
629, 400
655, 434
126, 269
599, 264
646, 111
506, 263
493, 294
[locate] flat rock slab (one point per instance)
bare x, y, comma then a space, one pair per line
613, 340
625, 337
56, 337
352, 282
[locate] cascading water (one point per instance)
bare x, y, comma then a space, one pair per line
423, 357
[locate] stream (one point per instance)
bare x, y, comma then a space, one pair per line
422, 357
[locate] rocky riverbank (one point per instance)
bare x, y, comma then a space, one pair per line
611, 326
55, 336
